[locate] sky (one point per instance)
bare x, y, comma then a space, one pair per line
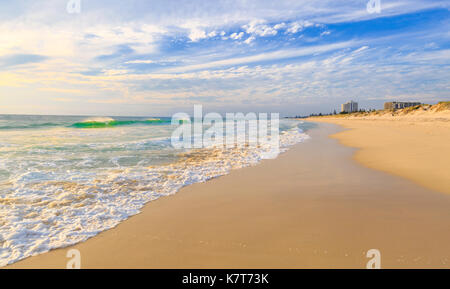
156, 58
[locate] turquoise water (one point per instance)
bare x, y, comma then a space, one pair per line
64, 179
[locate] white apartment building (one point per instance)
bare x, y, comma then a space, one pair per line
350, 106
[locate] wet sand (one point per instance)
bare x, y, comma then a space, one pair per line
312, 207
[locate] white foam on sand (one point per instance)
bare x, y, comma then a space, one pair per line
42, 210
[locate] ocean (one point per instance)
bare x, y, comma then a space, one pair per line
64, 179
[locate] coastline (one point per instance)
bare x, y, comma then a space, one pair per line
312, 207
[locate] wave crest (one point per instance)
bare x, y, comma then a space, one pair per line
105, 122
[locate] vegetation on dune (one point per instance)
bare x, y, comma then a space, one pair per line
441, 106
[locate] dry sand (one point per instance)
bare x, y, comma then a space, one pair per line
416, 146
313, 207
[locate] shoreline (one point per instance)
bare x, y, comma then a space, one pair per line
312, 207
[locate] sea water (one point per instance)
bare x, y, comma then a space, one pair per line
64, 179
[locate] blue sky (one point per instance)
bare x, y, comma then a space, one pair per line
160, 57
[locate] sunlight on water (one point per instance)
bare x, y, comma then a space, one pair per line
62, 182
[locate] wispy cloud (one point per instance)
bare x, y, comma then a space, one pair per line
264, 57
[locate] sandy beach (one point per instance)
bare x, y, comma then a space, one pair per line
312, 207
413, 146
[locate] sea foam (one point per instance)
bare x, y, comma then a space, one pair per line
73, 200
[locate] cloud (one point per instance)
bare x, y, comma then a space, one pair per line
212, 34
250, 40
61, 99
264, 57
361, 49
140, 61
120, 51
20, 59
279, 26
237, 36
258, 27
197, 30
197, 34
298, 26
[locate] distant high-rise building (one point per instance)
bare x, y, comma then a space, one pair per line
350, 106
399, 105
